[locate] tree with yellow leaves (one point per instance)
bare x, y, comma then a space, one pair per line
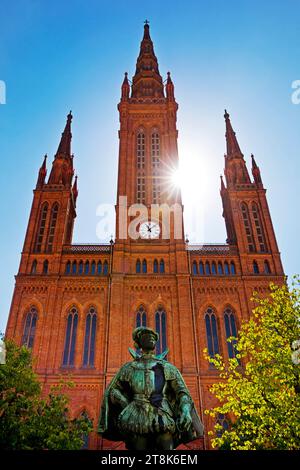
261, 398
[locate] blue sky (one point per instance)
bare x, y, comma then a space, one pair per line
239, 55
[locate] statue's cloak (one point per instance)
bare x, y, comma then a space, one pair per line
108, 422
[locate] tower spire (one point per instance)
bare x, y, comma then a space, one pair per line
147, 82
42, 173
256, 172
170, 88
125, 88
62, 166
236, 172
233, 148
66, 137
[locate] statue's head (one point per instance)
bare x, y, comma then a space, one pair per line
145, 338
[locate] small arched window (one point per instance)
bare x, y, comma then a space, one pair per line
232, 268
155, 266
138, 267
161, 329
51, 233
222, 421
89, 339
70, 340
195, 268
207, 268
68, 267
267, 268
41, 228
93, 267
226, 268
105, 267
87, 267
248, 228
144, 266
141, 317
80, 267
220, 269
213, 268
99, 267
45, 266
259, 228
74, 267
211, 332
201, 268
255, 267
29, 328
34, 267
230, 330
161, 266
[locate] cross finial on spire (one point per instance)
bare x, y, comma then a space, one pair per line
146, 22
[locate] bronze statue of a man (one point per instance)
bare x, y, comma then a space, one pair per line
147, 403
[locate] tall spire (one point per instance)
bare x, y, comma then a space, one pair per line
233, 148
125, 88
170, 88
66, 137
62, 166
147, 82
42, 174
256, 172
236, 172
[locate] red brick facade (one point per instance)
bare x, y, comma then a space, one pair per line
193, 278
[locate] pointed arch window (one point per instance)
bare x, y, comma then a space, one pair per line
41, 227
87, 267
70, 340
85, 437
93, 267
141, 317
220, 269
74, 267
140, 165
213, 268
207, 268
68, 267
211, 332
53, 220
80, 267
161, 266
45, 266
138, 267
201, 268
155, 266
255, 267
144, 266
195, 268
230, 330
267, 268
259, 228
89, 339
232, 268
226, 268
222, 421
161, 329
30, 328
99, 267
33, 267
155, 160
248, 228
105, 268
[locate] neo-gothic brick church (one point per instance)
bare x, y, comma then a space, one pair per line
77, 305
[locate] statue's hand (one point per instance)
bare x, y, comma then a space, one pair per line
185, 419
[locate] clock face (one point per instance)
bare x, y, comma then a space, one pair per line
149, 230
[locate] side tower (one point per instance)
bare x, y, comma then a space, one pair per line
246, 212
50, 226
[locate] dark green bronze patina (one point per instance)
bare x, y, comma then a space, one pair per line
147, 403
